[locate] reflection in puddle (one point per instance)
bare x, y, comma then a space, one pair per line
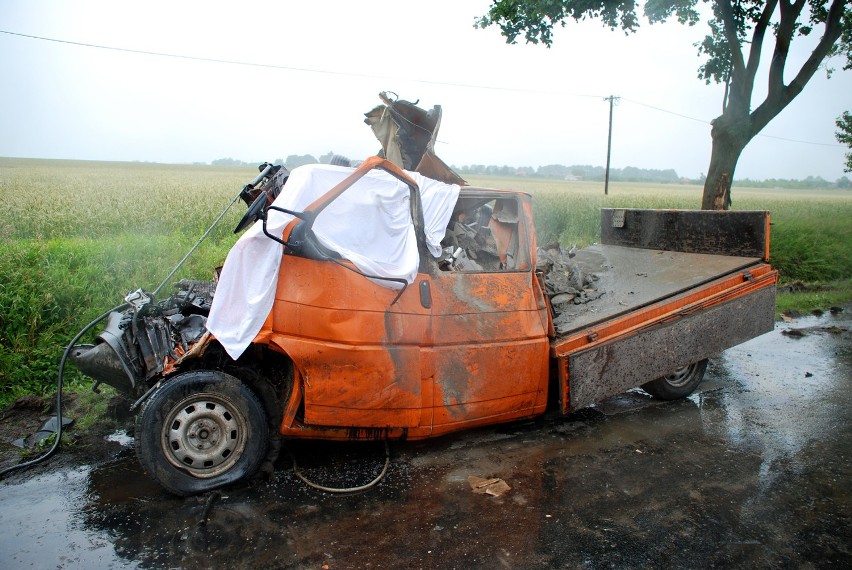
792, 390
42, 526
120, 437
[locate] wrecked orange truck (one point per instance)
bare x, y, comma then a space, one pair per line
381, 304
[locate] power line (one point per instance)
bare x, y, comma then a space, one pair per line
665, 111
832, 145
293, 68
382, 77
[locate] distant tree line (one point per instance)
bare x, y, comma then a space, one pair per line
231, 162
576, 172
291, 162
808, 183
295, 160
585, 172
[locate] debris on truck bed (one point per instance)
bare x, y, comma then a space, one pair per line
566, 284
610, 280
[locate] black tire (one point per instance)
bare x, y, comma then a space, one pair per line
679, 384
177, 432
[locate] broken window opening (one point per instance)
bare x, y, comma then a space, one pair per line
482, 237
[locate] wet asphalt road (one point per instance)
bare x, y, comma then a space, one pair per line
754, 470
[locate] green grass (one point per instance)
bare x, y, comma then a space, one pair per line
77, 236
814, 297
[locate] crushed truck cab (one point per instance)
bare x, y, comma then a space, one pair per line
455, 349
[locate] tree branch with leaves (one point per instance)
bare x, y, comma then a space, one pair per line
844, 136
735, 25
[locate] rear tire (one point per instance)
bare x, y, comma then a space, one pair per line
200, 431
679, 384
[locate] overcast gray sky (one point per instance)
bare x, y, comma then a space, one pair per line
520, 105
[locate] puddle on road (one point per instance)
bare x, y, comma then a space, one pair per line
756, 464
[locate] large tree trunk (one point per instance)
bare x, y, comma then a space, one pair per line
730, 135
738, 124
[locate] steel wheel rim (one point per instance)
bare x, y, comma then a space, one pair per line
681, 376
204, 434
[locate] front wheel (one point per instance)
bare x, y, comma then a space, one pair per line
199, 431
679, 384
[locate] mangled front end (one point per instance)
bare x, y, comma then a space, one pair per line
147, 339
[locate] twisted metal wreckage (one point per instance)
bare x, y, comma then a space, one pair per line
394, 301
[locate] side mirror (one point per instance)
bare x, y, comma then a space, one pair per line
254, 213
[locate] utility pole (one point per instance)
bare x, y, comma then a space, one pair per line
612, 100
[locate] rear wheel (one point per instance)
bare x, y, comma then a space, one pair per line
201, 430
679, 384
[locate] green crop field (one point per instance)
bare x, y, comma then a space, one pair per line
78, 236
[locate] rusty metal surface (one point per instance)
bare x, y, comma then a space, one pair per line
630, 278
478, 354
457, 350
408, 134
612, 368
357, 352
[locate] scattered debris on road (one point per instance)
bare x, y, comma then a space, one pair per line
494, 487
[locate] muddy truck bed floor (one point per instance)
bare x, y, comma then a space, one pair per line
629, 278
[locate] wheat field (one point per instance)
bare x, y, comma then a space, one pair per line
77, 236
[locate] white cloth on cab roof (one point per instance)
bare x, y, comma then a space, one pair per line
369, 224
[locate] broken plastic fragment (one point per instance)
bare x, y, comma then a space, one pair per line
48, 429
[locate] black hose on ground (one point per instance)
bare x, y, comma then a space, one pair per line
58, 437
343, 490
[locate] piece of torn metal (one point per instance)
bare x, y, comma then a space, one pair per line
408, 134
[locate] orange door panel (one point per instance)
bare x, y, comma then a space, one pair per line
358, 352
489, 359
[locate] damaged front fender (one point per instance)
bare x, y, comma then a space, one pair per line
141, 344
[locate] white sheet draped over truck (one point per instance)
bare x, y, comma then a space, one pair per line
369, 224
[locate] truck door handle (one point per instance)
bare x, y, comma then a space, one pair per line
425, 295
